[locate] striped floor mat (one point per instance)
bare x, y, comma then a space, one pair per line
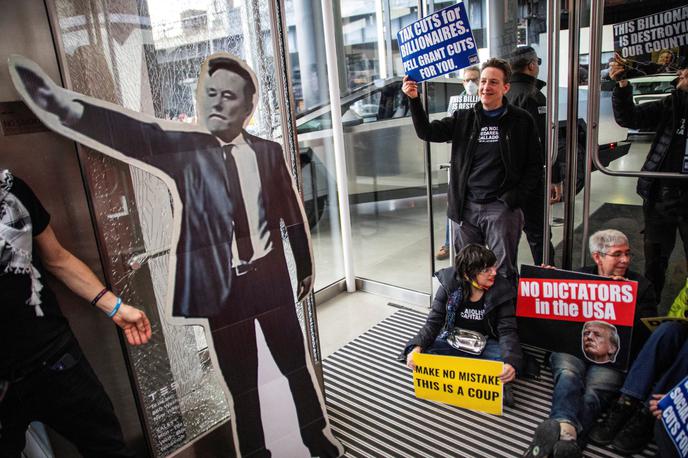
373, 410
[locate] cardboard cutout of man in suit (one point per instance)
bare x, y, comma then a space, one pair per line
234, 190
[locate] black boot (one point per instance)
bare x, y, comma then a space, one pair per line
546, 435
567, 449
636, 434
606, 429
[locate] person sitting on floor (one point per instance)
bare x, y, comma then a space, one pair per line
661, 364
584, 389
472, 296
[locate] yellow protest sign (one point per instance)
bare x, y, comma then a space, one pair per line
464, 382
654, 322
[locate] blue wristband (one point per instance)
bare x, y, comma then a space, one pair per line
117, 306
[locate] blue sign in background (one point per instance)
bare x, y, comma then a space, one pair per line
674, 408
438, 44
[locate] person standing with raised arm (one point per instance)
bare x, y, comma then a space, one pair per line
496, 164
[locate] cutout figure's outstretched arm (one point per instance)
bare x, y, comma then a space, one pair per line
48, 96
106, 127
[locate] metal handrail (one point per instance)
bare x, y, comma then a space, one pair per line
574, 9
552, 112
597, 19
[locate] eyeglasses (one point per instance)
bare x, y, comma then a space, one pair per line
539, 61
618, 254
475, 80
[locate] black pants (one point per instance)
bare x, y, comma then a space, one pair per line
71, 401
234, 338
533, 220
663, 216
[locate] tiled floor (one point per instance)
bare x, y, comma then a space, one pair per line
348, 315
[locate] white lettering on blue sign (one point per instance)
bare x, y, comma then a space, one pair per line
437, 44
674, 408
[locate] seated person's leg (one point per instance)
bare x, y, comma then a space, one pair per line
569, 375
656, 366
655, 358
557, 436
601, 388
638, 431
677, 349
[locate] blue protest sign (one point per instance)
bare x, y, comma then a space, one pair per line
437, 44
674, 408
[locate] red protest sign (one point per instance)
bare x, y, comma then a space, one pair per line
577, 300
588, 316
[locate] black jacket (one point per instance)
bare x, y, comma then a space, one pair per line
661, 116
519, 145
645, 307
500, 313
525, 92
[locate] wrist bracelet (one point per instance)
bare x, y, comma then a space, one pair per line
98, 297
117, 306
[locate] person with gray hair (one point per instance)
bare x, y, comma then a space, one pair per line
611, 253
600, 241
585, 388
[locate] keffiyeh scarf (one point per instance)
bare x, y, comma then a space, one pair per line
16, 240
454, 301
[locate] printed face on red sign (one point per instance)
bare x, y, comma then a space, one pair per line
614, 261
600, 342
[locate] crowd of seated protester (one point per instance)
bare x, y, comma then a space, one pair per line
591, 401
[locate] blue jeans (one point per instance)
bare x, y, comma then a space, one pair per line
661, 364
581, 390
492, 351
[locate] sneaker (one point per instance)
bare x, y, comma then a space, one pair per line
442, 253
509, 398
606, 429
636, 434
567, 449
546, 436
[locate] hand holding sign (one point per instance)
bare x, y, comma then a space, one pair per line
410, 363
410, 88
437, 44
654, 406
508, 374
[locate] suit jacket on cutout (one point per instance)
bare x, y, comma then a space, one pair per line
196, 163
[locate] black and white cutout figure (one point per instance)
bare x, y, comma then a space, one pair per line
234, 190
